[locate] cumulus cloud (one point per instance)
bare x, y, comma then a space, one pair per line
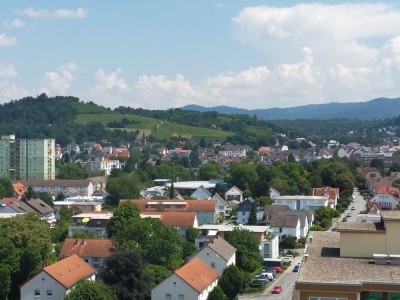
59, 13
16, 23
338, 33
10, 91
7, 41
59, 82
7, 70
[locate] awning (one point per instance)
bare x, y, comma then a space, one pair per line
85, 220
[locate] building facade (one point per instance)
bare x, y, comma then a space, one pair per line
22, 159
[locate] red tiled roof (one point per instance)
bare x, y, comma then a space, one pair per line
197, 274
56, 183
19, 188
86, 248
174, 219
8, 200
69, 271
189, 206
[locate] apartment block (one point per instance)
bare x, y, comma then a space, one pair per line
23, 159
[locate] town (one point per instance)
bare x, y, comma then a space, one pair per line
235, 225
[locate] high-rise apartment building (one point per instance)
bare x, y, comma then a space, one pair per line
22, 159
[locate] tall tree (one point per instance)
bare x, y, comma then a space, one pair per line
253, 215
247, 244
121, 217
231, 281
172, 191
125, 273
216, 294
122, 187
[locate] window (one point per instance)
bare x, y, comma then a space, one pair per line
280, 229
49, 293
243, 213
181, 297
167, 296
37, 293
213, 265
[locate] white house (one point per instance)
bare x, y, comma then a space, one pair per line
244, 210
286, 225
303, 217
193, 281
217, 253
270, 246
56, 280
105, 165
386, 201
221, 206
201, 193
234, 194
301, 202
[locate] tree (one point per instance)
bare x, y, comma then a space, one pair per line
247, 245
6, 189
216, 294
377, 163
172, 191
209, 171
29, 194
288, 242
125, 272
122, 187
91, 290
157, 273
71, 171
121, 217
25, 244
244, 176
231, 281
253, 215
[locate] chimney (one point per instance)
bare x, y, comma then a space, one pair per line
305, 257
76, 241
310, 239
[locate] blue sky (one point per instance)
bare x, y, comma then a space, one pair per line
163, 54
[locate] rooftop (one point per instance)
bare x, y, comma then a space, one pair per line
325, 266
86, 248
360, 227
299, 197
389, 215
229, 227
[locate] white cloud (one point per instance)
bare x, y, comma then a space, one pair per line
7, 41
7, 70
338, 34
16, 23
59, 13
10, 91
59, 82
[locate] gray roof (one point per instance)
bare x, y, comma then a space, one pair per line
391, 215
40, 206
201, 193
218, 198
284, 221
325, 266
273, 210
359, 227
21, 207
222, 247
302, 214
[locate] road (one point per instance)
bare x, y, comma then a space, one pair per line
286, 280
358, 204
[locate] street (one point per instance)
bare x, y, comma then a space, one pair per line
359, 205
286, 280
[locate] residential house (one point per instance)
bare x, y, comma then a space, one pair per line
329, 192
273, 210
194, 281
387, 197
84, 187
300, 202
19, 189
186, 188
369, 250
181, 221
201, 194
273, 192
179, 152
234, 194
56, 280
244, 210
303, 217
222, 207
205, 210
105, 165
45, 211
99, 182
229, 150
74, 148
92, 222
286, 225
93, 252
217, 253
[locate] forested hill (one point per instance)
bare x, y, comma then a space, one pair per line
380, 108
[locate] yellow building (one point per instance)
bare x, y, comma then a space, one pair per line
359, 262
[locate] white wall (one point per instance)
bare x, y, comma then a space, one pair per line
273, 247
175, 286
42, 282
209, 256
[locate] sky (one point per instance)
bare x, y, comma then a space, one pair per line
169, 53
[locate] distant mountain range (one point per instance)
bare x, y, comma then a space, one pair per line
380, 108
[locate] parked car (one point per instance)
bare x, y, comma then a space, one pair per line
262, 280
296, 268
267, 274
288, 259
344, 219
349, 214
277, 290
270, 270
353, 208
278, 269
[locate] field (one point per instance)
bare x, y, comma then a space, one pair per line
158, 129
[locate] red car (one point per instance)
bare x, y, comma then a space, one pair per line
277, 290
278, 269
